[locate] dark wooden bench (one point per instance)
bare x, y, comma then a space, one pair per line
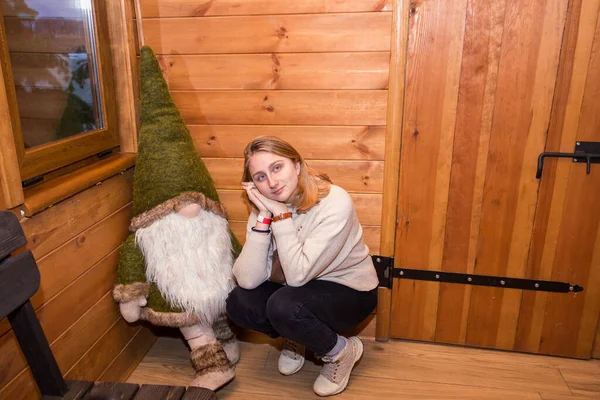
19, 280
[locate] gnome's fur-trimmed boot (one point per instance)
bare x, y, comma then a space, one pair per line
213, 369
227, 338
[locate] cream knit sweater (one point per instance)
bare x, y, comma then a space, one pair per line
324, 243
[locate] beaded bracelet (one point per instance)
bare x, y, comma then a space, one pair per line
261, 230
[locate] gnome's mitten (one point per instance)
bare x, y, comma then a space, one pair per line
213, 369
132, 310
227, 338
131, 277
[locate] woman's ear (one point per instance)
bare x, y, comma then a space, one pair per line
297, 165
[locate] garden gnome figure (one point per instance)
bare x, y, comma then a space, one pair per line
175, 268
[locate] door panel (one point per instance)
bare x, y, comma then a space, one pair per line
433, 70
481, 80
566, 241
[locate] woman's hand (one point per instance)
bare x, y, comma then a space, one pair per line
251, 191
261, 202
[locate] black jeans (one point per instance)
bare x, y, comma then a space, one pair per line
312, 315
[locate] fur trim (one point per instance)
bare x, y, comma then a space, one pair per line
223, 332
125, 293
168, 319
146, 218
209, 358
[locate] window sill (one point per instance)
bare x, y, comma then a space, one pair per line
46, 194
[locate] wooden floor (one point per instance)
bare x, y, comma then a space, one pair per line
392, 370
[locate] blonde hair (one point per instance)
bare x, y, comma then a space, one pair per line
312, 185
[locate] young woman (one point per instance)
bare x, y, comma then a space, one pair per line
305, 272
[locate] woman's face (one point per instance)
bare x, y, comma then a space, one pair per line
275, 177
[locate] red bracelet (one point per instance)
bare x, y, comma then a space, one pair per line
264, 220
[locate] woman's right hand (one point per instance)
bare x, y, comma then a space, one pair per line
251, 190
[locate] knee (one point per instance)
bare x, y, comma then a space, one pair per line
281, 308
235, 304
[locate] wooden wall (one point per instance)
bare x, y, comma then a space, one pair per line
75, 244
312, 73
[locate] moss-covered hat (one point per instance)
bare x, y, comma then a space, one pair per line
169, 172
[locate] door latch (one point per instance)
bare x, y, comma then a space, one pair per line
585, 152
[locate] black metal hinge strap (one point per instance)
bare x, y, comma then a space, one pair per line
486, 280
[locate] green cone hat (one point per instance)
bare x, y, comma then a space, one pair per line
168, 166
167, 162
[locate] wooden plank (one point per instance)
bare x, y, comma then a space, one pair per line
272, 33
11, 191
69, 347
354, 176
44, 35
596, 349
427, 141
9, 94
160, 392
277, 71
347, 107
82, 335
112, 390
43, 159
371, 234
77, 390
368, 206
19, 280
194, 8
42, 9
123, 52
41, 70
129, 358
483, 39
11, 234
35, 348
564, 122
393, 143
57, 225
436, 372
103, 352
80, 253
520, 122
570, 321
46, 194
77, 298
312, 142
199, 393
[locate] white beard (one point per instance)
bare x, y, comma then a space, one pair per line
190, 260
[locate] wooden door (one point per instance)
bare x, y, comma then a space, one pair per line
491, 84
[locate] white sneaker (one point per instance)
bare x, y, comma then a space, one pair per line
291, 359
335, 374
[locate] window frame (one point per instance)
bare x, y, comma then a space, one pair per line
40, 160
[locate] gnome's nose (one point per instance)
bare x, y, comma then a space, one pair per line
190, 210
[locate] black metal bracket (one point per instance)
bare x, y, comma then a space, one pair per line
384, 267
486, 280
386, 274
585, 152
32, 181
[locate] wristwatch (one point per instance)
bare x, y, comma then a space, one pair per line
282, 216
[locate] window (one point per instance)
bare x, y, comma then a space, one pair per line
57, 71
